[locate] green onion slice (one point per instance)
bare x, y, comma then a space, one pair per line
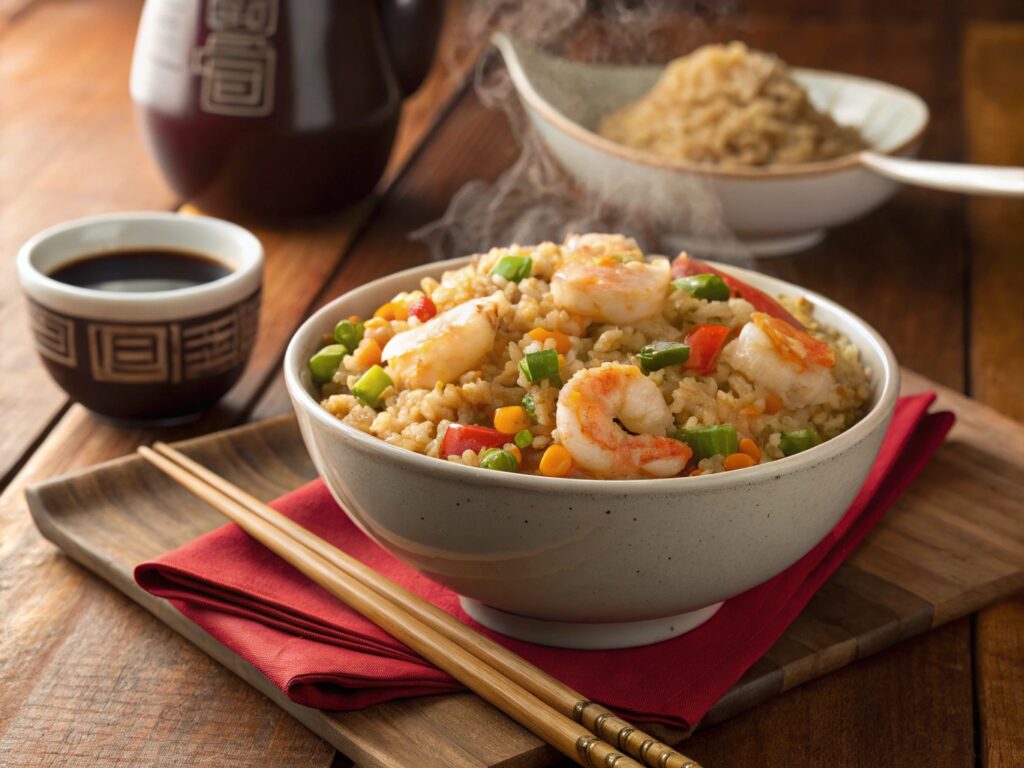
662, 354
716, 440
523, 439
709, 287
798, 441
348, 333
529, 405
514, 268
325, 362
499, 459
371, 386
537, 366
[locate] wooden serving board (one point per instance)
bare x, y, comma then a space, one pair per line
952, 544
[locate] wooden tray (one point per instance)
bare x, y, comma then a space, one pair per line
952, 544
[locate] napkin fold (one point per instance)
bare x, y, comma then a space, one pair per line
322, 654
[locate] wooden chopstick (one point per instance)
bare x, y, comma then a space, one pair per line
549, 691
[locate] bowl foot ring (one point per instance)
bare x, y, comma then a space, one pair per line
583, 636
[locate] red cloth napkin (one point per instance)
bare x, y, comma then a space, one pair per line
324, 655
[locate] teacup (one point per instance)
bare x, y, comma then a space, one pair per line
149, 354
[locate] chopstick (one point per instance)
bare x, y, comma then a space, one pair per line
549, 708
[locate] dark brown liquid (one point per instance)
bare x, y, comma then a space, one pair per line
140, 271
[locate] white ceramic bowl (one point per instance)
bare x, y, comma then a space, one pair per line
588, 563
771, 211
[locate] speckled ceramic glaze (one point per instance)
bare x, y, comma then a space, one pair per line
771, 211
588, 563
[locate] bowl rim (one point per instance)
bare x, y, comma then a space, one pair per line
524, 87
244, 278
295, 360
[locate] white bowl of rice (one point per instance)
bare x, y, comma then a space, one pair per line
726, 150
576, 561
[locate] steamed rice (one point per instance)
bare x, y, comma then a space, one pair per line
727, 105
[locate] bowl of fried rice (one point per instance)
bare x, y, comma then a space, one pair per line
592, 446
725, 140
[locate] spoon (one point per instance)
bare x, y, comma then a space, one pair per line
1003, 181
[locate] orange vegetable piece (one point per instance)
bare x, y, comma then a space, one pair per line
696, 472
393, 310
367, 353
738, 461
556, 461
773, 404
749, 447
511, 419
562, 342
514, 450
793, 344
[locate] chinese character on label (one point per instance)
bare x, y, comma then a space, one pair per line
258, 17
237, 74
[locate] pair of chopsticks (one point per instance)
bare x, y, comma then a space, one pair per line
580, 729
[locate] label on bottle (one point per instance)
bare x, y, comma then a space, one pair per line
237, 61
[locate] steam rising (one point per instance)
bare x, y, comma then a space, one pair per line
535, 199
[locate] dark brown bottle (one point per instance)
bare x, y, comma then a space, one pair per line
277, 108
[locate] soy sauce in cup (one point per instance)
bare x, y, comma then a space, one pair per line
140, 271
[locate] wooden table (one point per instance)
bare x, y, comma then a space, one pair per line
88, 678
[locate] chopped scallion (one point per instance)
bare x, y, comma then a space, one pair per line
324, 363
371, 386
716, 440
662, 354
537, 366
499, 459
709, 287
529, 405
523, 439
348, 333
514, 268
798, 441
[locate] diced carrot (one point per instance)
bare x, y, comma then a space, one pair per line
556, 461
773, 404
511, 419
696, 472
393, 310
749, 447
367, 353
562, 342
353, 318
750, 411
738, 461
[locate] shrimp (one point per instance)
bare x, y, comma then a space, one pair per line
784, 359
609, 290
446, 346
590, 404
598, 244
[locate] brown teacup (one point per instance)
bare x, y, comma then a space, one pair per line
147, 350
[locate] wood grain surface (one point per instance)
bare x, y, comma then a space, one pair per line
937, 275
952, 544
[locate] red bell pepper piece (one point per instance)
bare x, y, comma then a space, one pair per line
684, 266
459, 437
705, 341
422, 308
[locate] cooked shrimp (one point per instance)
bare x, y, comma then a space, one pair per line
444, 347
598, 244
783, 359
611, 291
589, 406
